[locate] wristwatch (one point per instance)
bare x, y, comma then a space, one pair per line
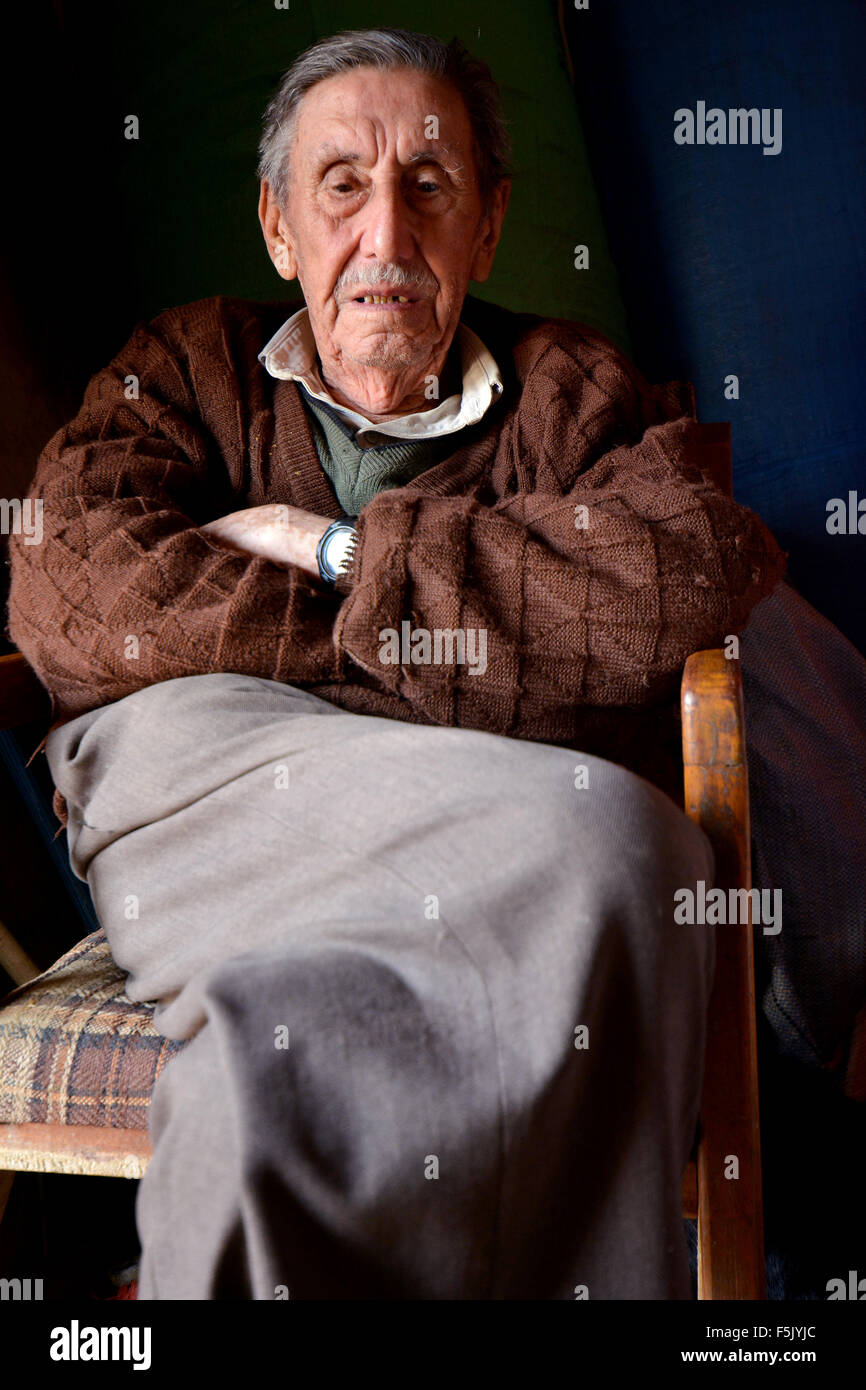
335, 548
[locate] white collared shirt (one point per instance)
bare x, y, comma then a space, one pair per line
291, 355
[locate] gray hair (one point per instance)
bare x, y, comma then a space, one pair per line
388, 49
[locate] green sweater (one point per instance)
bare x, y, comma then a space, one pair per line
357, 474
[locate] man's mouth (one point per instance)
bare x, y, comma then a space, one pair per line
383, 299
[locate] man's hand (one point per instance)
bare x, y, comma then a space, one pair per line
286, 535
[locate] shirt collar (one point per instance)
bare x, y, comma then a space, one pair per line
291, 355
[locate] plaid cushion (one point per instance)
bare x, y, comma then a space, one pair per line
74, 1050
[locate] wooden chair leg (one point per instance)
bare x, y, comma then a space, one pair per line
6, 1181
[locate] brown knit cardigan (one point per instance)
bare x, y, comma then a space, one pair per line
588, 627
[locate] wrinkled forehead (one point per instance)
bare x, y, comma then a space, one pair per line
368, 115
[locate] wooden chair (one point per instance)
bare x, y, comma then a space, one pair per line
728, 1209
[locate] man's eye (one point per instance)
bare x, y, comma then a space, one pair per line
428, 186
341, 181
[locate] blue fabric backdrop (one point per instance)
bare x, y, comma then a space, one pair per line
732, 261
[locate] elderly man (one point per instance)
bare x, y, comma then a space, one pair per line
327, 605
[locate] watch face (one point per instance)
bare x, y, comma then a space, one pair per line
335, 549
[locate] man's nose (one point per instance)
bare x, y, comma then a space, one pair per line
388, 225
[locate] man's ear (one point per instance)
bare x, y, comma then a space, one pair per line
495, 216
276, 233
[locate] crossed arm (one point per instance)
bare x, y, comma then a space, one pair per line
285, 535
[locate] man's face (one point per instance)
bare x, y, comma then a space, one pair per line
383, 203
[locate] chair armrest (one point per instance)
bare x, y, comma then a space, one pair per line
14, 959
714, 761
23, 698
730, 1209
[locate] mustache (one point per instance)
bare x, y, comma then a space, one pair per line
388, 274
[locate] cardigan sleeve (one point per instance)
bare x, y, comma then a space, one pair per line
592, 595
125, 589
